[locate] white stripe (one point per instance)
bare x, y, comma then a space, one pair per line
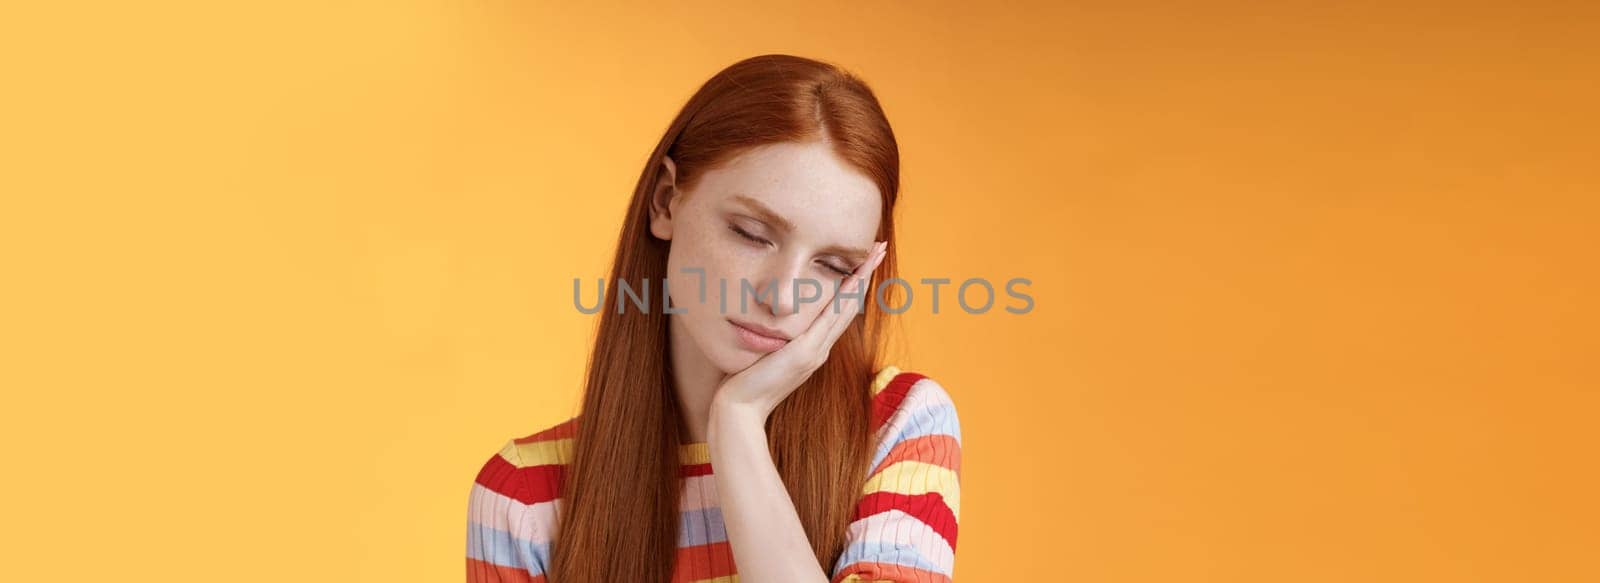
895, 526
534, 522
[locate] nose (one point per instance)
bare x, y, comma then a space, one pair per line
776, 292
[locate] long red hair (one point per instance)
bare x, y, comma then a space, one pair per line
614, 525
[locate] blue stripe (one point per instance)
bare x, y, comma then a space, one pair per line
495, 546
883, 552
704, 526
492, 545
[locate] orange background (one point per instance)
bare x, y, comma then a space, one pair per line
1314, 280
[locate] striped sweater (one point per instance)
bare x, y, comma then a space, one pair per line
904, 529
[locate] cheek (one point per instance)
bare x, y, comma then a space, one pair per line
703, 252
814, 306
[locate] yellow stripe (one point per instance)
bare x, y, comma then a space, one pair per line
722, 579
912, 477
538, 453
884, 376
854, 578
695, 453
559, 451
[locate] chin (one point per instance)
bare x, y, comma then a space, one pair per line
737, 360
732, 359
721, 348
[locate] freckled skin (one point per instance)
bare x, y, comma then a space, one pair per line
829, 203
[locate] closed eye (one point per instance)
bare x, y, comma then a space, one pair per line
747, 236
836, 269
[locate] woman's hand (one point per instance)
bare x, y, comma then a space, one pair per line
764, 384
769, 543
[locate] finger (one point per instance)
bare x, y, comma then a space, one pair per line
839, 309
836, 317
864, 288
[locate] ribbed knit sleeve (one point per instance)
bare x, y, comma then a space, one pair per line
512, 512
905, 525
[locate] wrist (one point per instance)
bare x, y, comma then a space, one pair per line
726, 411
734, 401
736, 410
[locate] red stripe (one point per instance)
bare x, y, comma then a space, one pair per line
691, 470
889, 399
703, 562
529, 485
930, 508
484, 572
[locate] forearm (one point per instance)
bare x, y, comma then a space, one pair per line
769, 544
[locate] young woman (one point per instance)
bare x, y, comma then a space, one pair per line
745, 428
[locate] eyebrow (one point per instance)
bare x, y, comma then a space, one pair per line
766, 213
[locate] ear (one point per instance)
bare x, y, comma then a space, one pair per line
663, 198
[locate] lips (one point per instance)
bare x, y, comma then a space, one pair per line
758, 338
762, 330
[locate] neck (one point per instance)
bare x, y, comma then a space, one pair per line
694, 378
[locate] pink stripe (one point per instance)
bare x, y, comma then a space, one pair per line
699, 492
924, 395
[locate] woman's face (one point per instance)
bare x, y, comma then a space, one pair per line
772, 216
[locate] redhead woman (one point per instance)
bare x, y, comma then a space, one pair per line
743, 427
